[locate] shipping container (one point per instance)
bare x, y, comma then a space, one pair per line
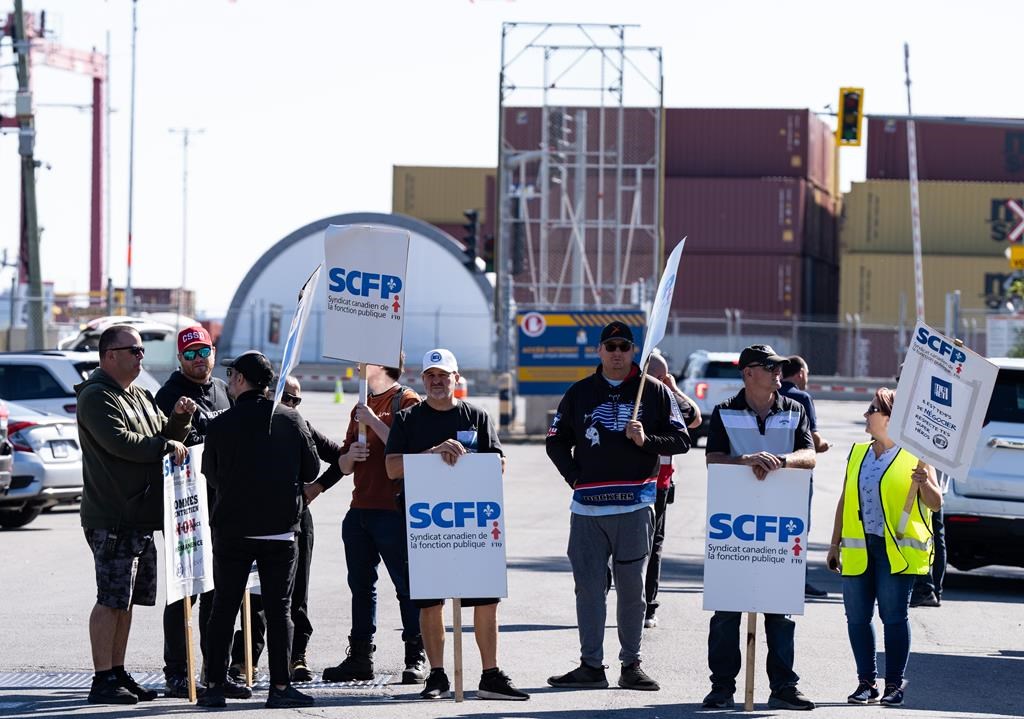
946, 151
871, 285
762, 286
748, 143
773, 216
957, 218
523, 131
439, 194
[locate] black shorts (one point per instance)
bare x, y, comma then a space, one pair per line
125, 567
425, 603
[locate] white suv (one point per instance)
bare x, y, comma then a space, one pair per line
45, 380
710, 378
984, 511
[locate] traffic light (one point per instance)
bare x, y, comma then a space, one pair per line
851, 114
472, 228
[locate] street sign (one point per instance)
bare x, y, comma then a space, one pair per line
1017, 232
557, 349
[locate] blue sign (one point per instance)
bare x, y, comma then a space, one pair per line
754, 528
452, 514
558, 348
942, 392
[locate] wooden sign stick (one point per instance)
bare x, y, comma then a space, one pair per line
457, 641
748, 689
247, 636
190, 650
364, 391
640, 389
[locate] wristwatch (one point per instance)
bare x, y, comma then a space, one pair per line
783, 458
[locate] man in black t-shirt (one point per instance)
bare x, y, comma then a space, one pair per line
446, 426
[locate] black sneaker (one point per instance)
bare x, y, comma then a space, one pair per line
633, 677
128, 682
651, 620
812, 591
108, 690
176, 686
582, 677
719, 699
437, 685
237, 674
235, 690
931, 599
300, 672
867, 693
212, 698
789, 698
287, 698
893, 695
497, 685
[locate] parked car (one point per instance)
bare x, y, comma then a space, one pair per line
159, 338
47, 465
45, 380
6, 451
710, 378
984, 511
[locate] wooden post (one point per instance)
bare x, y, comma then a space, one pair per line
640, 389
908, 506
457, 641
247, 636
748, 689
364, 392
189, 650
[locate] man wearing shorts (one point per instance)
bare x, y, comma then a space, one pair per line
452, 428
125, 438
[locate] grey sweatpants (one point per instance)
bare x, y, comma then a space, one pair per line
626, 540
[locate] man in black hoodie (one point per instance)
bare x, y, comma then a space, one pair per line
196, 357
257, 459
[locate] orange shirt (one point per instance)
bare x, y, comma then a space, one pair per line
371, 488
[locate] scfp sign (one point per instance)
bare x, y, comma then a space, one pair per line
754, 527
452, 514
362, 284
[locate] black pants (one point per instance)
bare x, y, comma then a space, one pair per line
653, 578
303, 629
175, 659
232, 560
932, 582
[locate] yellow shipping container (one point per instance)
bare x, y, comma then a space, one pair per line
439, 194
870, 284
957, 218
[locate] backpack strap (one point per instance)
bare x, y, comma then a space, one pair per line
396, 400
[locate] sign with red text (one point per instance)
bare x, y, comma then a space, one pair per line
188, 543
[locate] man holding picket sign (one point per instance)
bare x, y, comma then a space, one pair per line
451, 428
765, 431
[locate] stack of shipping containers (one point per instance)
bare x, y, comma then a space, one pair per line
967, 173
752, 191
440, 196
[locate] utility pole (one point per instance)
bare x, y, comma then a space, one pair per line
26, 148
129, 297
185, 133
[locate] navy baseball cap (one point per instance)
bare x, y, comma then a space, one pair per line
617, 331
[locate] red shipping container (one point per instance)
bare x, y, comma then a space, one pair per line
748, 143
769, 216
763, 287
979, 153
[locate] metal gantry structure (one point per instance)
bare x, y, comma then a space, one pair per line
581, 136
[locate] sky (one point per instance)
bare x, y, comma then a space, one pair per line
305, 106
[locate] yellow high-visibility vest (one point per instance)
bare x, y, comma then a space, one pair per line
908, 536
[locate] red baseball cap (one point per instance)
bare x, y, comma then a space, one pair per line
193, 336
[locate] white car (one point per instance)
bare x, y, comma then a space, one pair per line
710, 378
47, 466
158, 337
45, 380
984, 511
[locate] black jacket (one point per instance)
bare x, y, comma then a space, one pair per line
211, 399
329, 451
588, 444
257, 468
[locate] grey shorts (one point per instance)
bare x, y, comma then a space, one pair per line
125, 567
427, 603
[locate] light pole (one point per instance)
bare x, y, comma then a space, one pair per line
128, 294
185, 133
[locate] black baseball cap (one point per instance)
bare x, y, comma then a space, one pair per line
617, 331
254, 367
755, 354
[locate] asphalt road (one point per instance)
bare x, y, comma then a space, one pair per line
967, 656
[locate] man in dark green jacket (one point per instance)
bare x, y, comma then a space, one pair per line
124, 438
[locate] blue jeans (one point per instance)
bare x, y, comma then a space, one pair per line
724, 651
371, 535
892, 592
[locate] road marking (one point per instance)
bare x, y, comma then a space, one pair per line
155, 680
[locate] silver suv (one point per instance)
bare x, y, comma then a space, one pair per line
710, 378
984, 511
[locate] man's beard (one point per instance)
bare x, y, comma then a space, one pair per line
203, 376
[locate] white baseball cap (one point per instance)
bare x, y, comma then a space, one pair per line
440, 358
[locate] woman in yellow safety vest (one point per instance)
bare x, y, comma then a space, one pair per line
880, 546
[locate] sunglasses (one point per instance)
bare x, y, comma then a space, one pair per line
872, 409
618, 346
291, 399
136, 350
204, 352
768, 366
